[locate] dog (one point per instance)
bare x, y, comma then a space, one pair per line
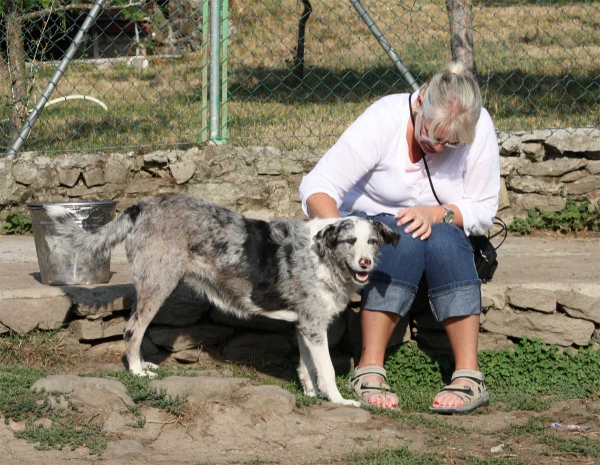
302, 272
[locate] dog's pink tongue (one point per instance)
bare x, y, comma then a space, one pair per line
362, 276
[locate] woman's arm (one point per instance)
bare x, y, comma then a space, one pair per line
481, 180
356, 152
322, 206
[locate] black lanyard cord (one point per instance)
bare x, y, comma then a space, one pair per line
412, 118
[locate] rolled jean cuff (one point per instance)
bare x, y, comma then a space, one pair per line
387, 297
461, 299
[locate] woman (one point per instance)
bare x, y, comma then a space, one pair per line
377, 168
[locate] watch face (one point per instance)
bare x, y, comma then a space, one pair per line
449, 216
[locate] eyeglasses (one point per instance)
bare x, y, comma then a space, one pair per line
452, 145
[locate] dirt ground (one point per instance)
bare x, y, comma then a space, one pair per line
228, 432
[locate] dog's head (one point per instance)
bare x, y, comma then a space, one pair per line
352, 245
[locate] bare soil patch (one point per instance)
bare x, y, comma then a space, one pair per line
235, 430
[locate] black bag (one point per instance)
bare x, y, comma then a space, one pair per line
484, 252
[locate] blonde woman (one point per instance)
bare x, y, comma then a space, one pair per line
379, 168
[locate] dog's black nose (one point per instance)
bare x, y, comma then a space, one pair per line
364, 263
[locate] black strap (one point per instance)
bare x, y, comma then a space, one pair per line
412, 118
497, 221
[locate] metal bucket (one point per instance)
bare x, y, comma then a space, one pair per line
58, 265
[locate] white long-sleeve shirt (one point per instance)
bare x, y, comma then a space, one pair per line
369, 169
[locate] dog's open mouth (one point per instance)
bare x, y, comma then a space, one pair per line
360, 277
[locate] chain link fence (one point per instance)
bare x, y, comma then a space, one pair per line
140, 79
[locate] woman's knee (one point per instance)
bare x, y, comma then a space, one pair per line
447, 237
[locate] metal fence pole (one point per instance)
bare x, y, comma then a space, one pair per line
53, 83
215, 74
224, 68
205, 65
364, 15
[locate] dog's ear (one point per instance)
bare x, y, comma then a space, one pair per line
323, 238
387, 234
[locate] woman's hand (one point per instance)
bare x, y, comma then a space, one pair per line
422, 218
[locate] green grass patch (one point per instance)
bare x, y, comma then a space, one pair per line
574, 217
138, 388
404, 456
558, 441
530, 377
20, 404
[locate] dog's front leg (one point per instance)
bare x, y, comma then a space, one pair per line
307, 371
319, 353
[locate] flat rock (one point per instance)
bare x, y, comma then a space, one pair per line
183, 171
97, 393
540, 300
268, 399
25, 315
557, 167
578, 305
583, 185
201, 389
187, 356
522, 203
100, 300
533, 184
90, 330
115, 423
577, 143
551, 329
593, 167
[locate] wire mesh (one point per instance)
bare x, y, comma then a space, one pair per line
538, 63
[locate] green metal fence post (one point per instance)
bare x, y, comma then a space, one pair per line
224, 70
204, 52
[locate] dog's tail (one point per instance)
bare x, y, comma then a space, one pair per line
98, 243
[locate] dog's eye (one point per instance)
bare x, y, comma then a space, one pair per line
373, 241
350, 240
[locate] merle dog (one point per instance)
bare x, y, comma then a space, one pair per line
291, 270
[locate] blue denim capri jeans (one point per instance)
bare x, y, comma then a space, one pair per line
445, 259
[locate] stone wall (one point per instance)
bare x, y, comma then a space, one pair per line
545, 169
538, 169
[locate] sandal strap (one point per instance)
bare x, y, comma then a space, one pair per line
379, 387
369, 370
456, 388
473, 375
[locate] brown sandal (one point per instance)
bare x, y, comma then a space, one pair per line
363, 390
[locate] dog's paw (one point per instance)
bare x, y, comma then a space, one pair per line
149, 366
144, 373
350, 402
309, 390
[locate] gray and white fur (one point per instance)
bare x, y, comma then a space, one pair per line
291, 270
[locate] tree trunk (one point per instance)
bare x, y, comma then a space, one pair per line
461, 31
16, 67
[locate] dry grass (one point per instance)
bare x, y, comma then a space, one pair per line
38, 349
539, 66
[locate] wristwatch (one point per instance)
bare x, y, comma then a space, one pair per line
448, 216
